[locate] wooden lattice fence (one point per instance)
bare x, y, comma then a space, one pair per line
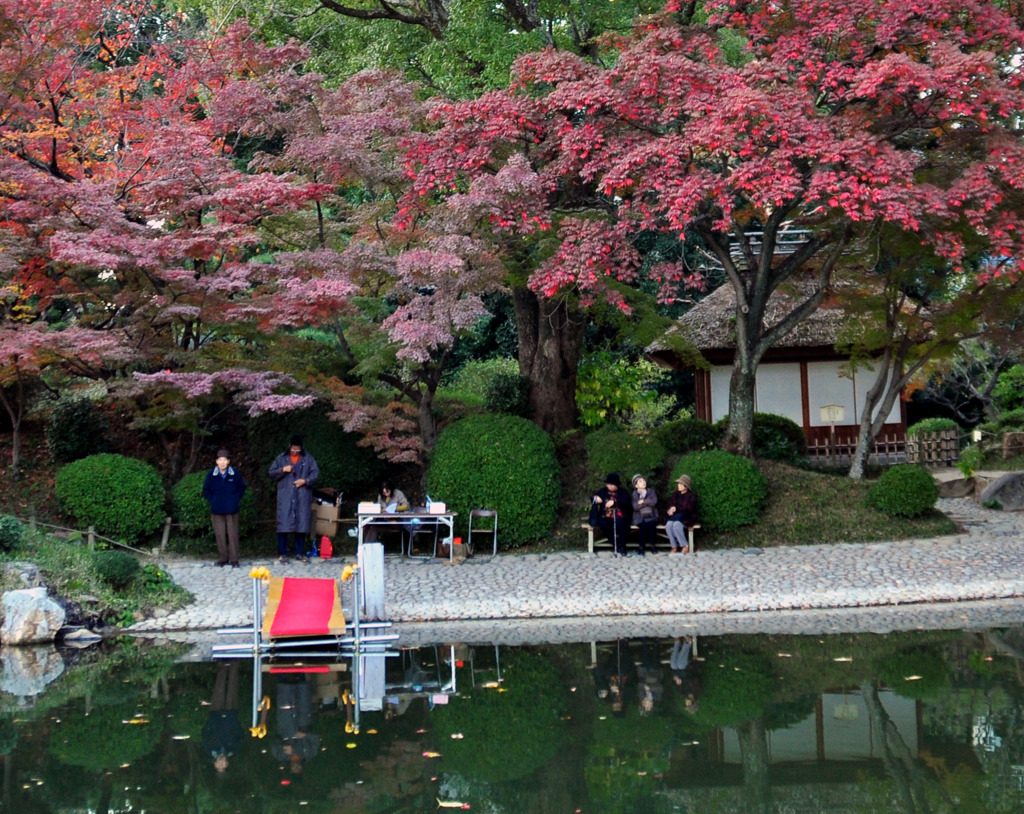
934, 448
888, 449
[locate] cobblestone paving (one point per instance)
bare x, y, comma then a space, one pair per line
553, 597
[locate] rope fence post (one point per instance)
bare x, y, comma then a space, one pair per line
32, 517
166, 535
90, 537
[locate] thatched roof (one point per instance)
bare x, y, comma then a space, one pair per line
710, 324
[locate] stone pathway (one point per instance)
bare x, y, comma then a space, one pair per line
984, 562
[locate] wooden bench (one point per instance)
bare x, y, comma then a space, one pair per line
594, 537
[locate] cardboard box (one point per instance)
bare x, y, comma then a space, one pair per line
326, 511
437, 507
325, 521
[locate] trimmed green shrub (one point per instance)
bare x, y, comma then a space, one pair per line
498, 462
904, 490
917, 674
928, 426
688, 435
116, 568
731, 491
613, 450
776, 438
343, 464
508, 393
100, 740
522, 726
76, 429
1011, 420
737, 688
192, 513
122, 497
11, 531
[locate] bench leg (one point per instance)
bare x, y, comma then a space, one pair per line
689, 539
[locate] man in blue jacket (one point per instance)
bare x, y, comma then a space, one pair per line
223, 489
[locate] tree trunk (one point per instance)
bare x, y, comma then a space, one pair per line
754, 754
550, 335
16, 412
739, 437
427, 421
866, 434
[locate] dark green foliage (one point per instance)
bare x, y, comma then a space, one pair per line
1012, 420
1009, 390
343, 464
915, 674
8, 736
74, 429
776, 437
101, 740
116, 568
905, 490
11, 531
122, 497
731, 491
155, 578
688, 435
508, 393
614, 450
521, 726
192, 513
498, 462
931, 425
736, 688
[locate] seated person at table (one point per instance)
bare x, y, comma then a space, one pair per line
391, 500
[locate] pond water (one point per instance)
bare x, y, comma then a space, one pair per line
908, 722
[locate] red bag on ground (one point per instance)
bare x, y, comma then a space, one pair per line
326, 549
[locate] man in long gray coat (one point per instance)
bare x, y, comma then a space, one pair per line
295, 472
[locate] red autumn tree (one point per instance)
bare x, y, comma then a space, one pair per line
823, 120
122, 206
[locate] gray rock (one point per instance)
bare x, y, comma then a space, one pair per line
27, 670
1008, 490
30, 617
26, 573
957, 487
80, 637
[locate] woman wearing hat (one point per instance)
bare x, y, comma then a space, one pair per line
223, 490
645, 513
682, 513
613, 506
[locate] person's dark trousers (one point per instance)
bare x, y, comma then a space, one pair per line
298, 542
225, 532
615, 530
645, 535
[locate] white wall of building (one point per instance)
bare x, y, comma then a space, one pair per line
778, 391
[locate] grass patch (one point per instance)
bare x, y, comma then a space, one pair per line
804, 508
67, 568
807, 507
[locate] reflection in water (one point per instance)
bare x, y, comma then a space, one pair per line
222, 734
927, 722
